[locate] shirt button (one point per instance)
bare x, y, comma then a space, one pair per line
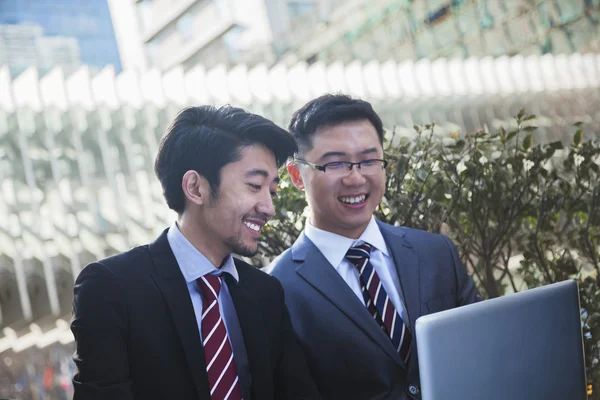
414, 390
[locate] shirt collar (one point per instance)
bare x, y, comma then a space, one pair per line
334, 247
192, 263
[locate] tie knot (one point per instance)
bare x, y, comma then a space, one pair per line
357, 254
210, 286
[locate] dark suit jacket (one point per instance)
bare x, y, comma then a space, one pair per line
349, 356
137, 336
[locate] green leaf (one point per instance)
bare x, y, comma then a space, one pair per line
527, 142
578, 123
558, 145
421, 174
512, 134
521, 113
529, 117
460, 144
578, 137
530, 128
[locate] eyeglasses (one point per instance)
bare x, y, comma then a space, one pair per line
343, 168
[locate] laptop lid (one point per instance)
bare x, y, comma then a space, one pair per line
526, 345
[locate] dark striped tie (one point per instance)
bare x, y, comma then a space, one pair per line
378, 303
218, 355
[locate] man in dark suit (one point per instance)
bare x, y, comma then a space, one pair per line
354, 285
180, 318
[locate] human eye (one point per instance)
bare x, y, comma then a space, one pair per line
254, 186
370, 163
334, 165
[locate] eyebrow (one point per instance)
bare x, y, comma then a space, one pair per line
341, 153
260, 172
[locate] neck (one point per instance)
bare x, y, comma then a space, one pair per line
351, 232
191, 229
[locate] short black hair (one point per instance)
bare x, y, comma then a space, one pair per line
328, 110
205, 139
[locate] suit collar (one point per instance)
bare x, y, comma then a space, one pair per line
192, 263
393, 236
406, 260
334, 247
170, 281
252, 330
318, 272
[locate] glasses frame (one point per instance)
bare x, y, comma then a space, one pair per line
348, 164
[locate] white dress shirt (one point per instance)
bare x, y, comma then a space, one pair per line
334, 247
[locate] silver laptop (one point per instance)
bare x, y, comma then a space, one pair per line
523, 346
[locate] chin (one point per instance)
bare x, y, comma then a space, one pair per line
246, 251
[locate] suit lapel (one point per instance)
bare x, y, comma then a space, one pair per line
171, 283
251, 327
406, 260
319, 273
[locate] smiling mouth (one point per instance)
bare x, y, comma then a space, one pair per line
353, 199
254, 227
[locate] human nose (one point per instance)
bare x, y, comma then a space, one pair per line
354, 176
266, 207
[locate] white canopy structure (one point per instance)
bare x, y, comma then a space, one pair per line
77, 152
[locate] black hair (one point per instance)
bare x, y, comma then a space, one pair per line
328, 110
205, 139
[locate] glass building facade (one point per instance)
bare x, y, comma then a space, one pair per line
88, 21
428, 29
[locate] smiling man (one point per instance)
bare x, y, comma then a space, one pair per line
355, 286
180, 318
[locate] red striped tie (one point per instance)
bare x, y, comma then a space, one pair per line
220, 364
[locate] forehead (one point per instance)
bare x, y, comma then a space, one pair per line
252, 158
348, 137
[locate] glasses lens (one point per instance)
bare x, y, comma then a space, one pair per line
371, 167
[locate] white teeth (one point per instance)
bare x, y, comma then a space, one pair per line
353, 200
252, 226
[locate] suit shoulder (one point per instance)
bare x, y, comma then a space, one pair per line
250, 272
281, 264
121, 262
418, 236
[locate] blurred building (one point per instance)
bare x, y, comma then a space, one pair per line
19, 45
415, 29
208, 32
24, 45
211, 32
73, 32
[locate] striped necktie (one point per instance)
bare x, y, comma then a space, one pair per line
377, 301
218, 355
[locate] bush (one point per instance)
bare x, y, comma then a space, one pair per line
522, 214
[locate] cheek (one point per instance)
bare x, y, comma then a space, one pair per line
226, 212
378, 185
324, 186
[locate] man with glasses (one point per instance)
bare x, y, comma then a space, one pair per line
355, 285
